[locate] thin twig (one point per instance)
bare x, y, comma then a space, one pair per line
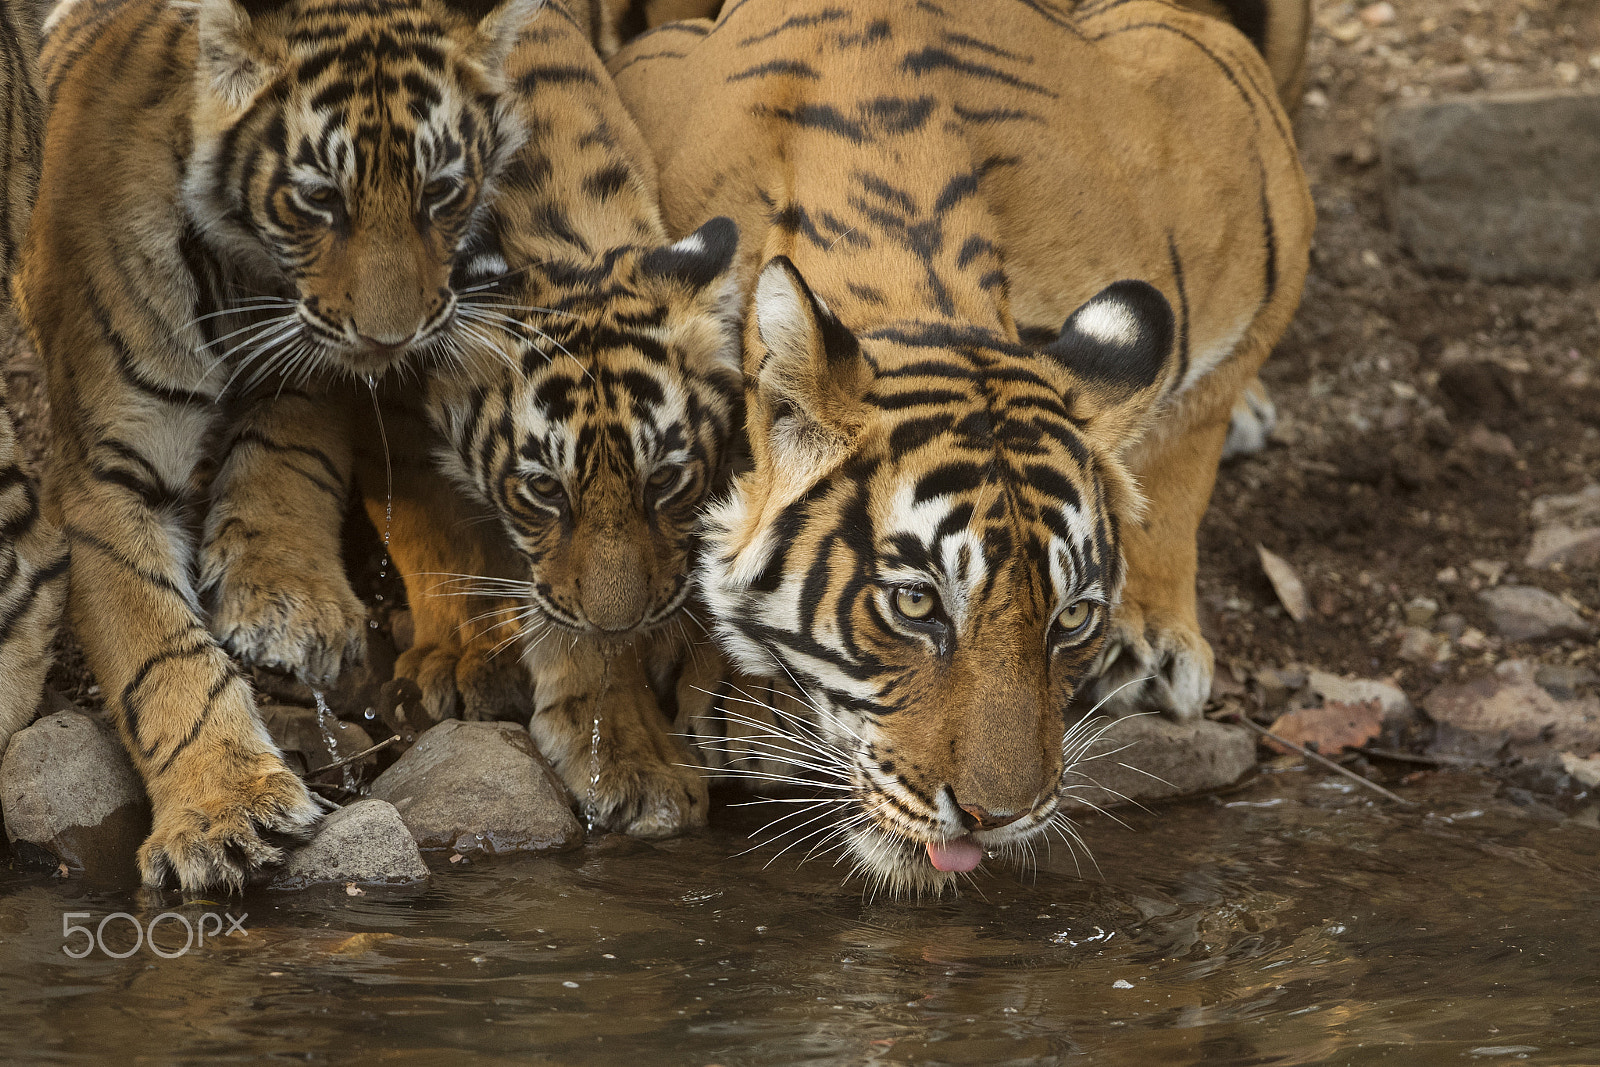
357, 758
1426, 761
1326, 762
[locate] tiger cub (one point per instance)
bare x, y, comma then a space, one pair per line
589, 445
33, 554
1008, 267
240, 202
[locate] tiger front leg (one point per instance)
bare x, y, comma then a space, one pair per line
461, 576
221, 796
600, 725
1155, 658
270, 563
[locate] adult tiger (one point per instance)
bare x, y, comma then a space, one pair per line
947, 481
33, 554
239, 198
590, 449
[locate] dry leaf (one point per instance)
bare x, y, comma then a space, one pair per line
1286, 583
1331, 728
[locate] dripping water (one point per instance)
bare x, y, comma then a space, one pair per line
388, 497
594, 774
325, 721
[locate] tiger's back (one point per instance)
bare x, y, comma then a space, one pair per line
33, 553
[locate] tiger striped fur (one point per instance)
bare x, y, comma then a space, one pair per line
962, 514
590, 448
241, 201
33, 554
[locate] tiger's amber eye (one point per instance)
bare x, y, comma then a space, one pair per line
437, 189
915, 602
663, 477
1075, 617
320, 195
546, 487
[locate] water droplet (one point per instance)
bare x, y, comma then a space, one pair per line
570, 985
325, 722
594, 774
608, 955
369, 715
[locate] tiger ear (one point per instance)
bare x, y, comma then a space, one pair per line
808, 379
703, 263
237, 56
500, 24
1116, 348
700, 258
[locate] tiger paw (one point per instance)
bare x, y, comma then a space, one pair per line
303, 619
1251, 422
1149, 665
212, 833
480, 680
644, 798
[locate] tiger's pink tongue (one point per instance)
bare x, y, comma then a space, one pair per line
962, 854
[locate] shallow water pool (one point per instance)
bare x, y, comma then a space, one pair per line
1291, 922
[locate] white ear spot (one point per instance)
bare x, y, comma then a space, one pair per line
1110, 322
691, 245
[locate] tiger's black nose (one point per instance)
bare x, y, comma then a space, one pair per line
977, 817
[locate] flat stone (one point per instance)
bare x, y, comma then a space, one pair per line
1568, 509
1526, 613
365, 842
1560, 544
1151, 758
1336, 690
70, 795
479, 787
1518, 711
1504, 187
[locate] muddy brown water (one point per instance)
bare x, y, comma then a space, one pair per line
1293, 922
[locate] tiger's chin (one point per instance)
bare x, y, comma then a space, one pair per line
900, 867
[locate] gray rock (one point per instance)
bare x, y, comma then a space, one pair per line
1525, 613
1335, 690
1145, 758
1563, 545
479, 787
1518, 712
1418, 645
365, 842
1568, 509
1503, 187
1565, 681
70, 795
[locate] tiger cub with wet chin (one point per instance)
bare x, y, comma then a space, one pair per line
241, 203
33, 554
1009, 265
547, 562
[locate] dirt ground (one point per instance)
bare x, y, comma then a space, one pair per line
1379, 486
1420, 415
